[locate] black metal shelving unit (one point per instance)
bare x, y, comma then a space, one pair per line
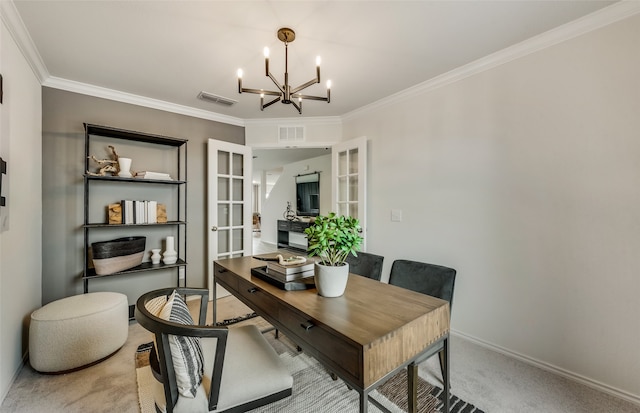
179, 225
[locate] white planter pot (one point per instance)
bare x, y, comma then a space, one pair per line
331, 281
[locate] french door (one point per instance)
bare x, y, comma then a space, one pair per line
229, 211
349, 186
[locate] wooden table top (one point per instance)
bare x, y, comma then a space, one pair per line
368, 311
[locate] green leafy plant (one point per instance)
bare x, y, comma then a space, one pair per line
333, 237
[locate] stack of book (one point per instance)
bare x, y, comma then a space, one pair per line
137, 212
153, 175
288, 273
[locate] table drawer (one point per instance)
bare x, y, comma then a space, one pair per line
260, 301
332, 349
226, 278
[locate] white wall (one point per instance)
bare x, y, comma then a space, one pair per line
526, 179
21, 245
285, 190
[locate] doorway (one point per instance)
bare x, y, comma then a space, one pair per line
269, 165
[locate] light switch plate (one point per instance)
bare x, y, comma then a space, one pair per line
396, 215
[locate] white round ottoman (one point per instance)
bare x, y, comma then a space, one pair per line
77, 331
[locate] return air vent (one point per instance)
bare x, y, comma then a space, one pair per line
221, 100
290, 134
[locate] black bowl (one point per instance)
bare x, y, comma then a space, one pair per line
118, 247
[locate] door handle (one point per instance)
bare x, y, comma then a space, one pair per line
214, 228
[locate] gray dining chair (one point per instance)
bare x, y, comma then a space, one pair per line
430, 279
366, 264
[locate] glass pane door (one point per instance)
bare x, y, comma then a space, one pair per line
349, 180
229, 203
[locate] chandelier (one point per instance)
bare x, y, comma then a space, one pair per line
285, 93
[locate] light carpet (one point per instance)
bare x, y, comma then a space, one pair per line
314, 390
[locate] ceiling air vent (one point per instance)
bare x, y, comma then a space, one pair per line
221, 100
291, 134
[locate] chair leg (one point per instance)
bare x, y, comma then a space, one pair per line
277, 335
334, 377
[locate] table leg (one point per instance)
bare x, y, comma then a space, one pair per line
364, 402
412, 388
446, 375
214, 300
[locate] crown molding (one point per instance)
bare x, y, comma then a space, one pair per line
586, 24
593, 21
116, 95
14, 24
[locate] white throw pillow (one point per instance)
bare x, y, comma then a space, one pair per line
155, 305
186, 352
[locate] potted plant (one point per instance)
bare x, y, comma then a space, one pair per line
332, 238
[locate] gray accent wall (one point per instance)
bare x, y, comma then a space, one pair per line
63, 115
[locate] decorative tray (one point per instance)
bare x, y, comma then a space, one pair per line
301, 284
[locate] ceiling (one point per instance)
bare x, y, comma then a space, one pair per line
171, 50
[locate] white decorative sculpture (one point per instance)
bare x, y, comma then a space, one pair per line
170, 255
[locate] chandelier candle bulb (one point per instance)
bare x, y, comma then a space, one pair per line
239, 80
318, 60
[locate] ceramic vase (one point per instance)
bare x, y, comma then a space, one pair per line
170, 255
125, 167
331, 281
155, 256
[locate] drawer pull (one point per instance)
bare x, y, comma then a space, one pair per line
252, 290
221, 270
307, 326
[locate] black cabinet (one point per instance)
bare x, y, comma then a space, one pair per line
291, 234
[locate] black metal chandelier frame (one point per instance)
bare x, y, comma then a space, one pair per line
285, 93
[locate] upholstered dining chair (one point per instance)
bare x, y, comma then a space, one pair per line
366, 264
430, 279
201, 368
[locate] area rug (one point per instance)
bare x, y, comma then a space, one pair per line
315, 392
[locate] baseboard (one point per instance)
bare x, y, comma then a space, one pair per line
5, 391
621, 394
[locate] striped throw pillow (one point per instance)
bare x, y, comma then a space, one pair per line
186, 352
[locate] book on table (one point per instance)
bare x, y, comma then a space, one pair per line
290, 272
289, 277
290, 269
